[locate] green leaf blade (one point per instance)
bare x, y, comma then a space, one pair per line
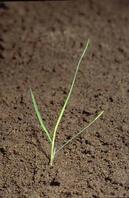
39, 117
71, 88
80, 132
66, 102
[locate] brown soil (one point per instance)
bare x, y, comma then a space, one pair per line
40, 43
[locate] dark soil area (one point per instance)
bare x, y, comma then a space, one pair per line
40, 44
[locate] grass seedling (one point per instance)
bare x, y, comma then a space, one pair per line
52, 136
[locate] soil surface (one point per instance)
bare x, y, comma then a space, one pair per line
40, 44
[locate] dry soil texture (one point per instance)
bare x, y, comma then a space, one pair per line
40, 44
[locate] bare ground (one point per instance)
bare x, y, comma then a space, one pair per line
40, 43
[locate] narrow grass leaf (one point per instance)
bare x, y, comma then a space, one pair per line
66, 101
71, 88
75, 136
39, 117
